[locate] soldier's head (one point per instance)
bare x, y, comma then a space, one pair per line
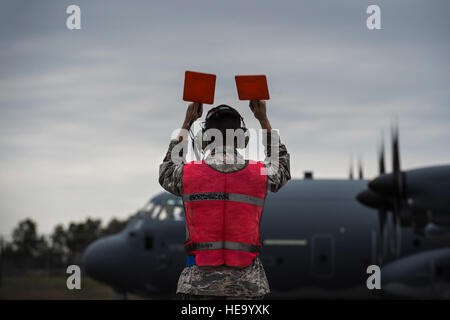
226, 120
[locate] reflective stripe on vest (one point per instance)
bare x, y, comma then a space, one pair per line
237, 197
222, 245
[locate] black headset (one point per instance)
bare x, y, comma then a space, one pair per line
201, 140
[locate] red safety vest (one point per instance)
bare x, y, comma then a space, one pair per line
223, 211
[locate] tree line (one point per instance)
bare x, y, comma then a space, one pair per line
28, 249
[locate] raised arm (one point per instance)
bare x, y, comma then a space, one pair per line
277, 163
170, 172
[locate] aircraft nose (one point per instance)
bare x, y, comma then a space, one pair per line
90, 262
101, 258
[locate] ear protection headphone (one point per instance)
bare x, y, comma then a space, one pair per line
202, 140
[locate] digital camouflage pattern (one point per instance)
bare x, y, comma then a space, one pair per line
244, 283
224, 281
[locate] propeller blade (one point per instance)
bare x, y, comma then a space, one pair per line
399, 179
395, 150
398, 186
382, 204
381, 165
382, 216
350, 173
397, 229
360, 169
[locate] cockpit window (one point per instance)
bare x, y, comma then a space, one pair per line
138, 224
172, 209
177, 213
156, 211
163, 214
149, 206
173, 202
147, 210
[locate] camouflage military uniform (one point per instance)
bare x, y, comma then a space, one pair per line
205, 282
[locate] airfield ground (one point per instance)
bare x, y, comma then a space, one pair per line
54, 287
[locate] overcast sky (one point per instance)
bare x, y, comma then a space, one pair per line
86, 115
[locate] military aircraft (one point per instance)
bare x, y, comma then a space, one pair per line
319, 237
